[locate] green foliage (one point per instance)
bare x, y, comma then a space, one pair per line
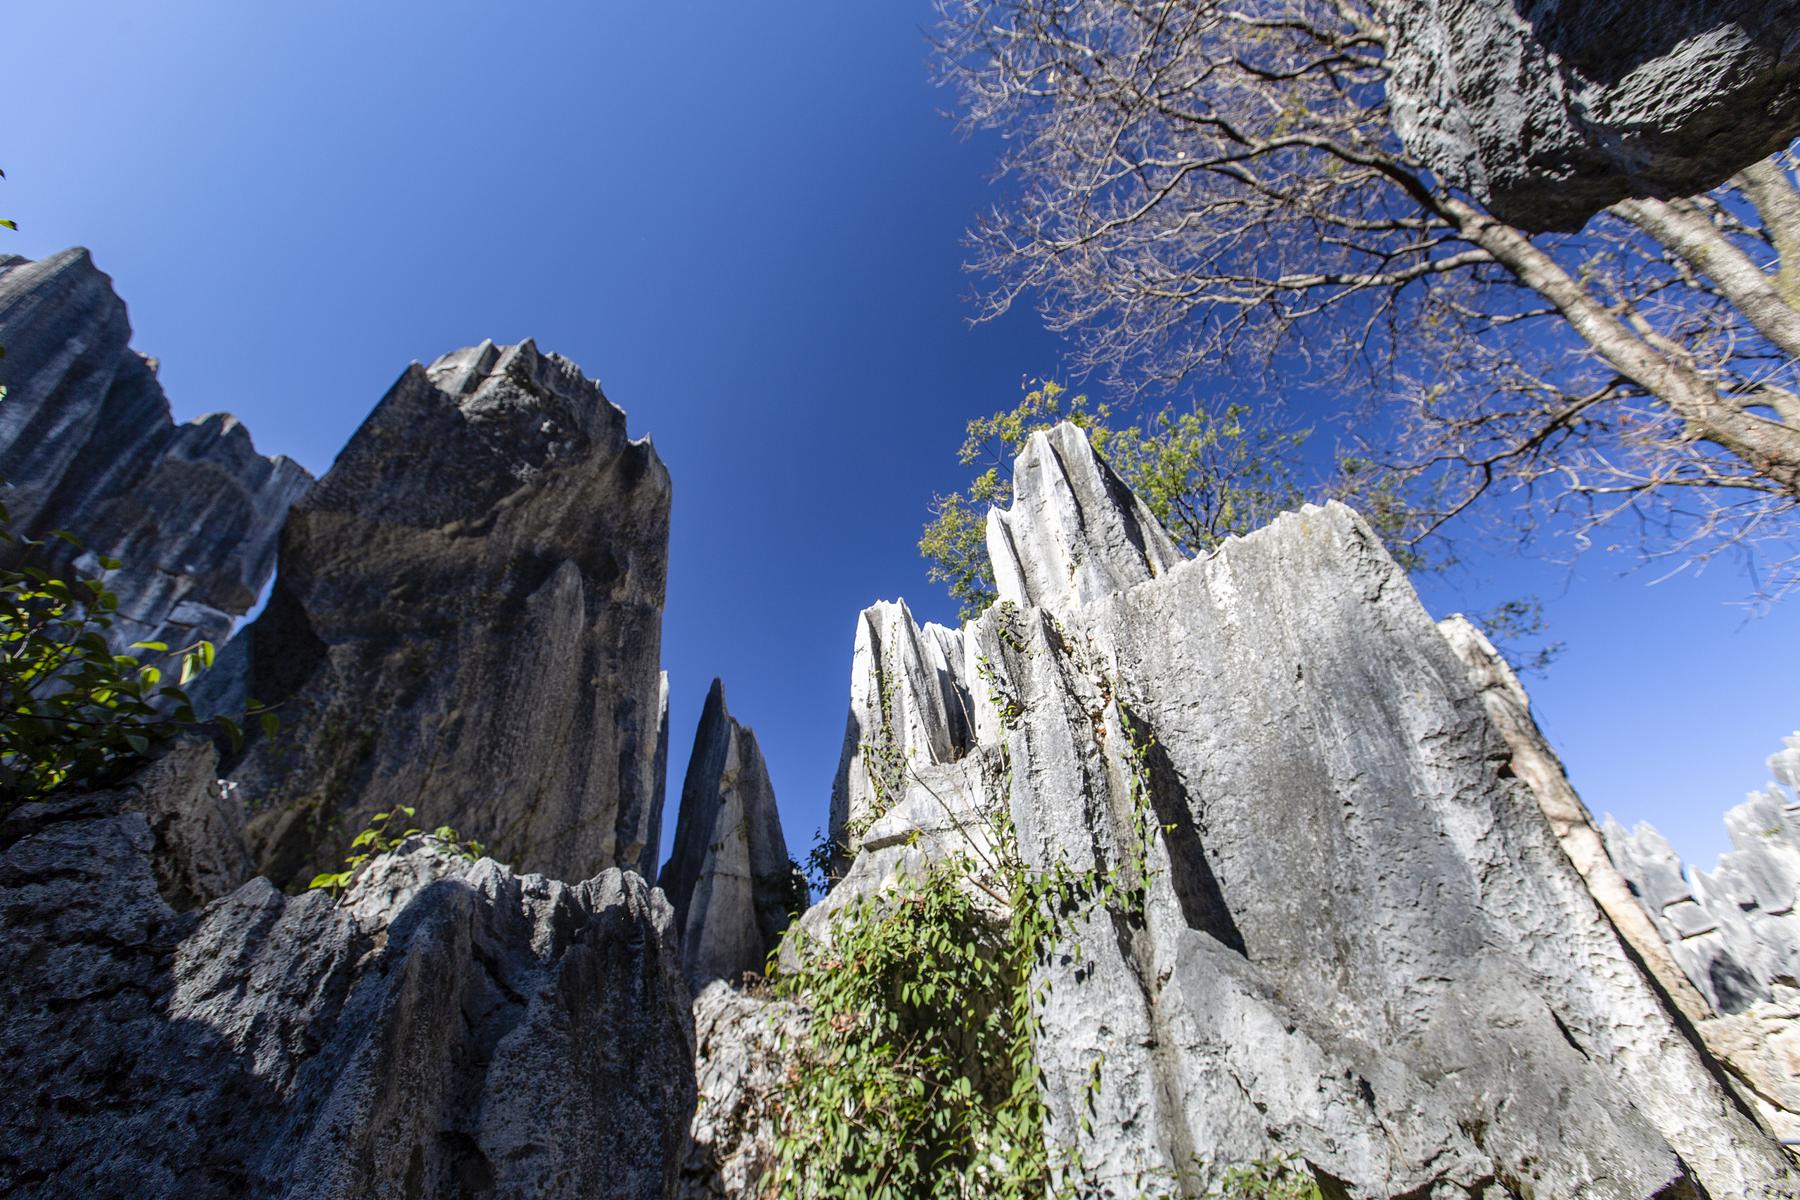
1204, 475
78, 715
916, 1076
1276, 1179
386, 831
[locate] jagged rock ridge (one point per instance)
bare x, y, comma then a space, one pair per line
1362, 944
1735, 932
467, 619
1550, 110
87, 445
729, 876
449, 1029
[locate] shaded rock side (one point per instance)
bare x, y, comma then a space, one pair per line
729, 877
450, 1029
468, 620
1550, 110
87, 444
1361, 943
1735, 933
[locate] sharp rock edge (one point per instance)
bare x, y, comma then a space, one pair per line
729, 876
467, 619
87, 445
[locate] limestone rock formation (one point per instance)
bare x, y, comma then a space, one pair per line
450, 1029
1361, 942
1735, 932
468, 620
1734, 929
740, 1053
1550, 110
729, 876
87, 445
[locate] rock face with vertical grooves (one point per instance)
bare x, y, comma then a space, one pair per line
468, 620
87, 445
1361, 943
1534, 762
449, 1029
1735, 931
728, 877
1550, 110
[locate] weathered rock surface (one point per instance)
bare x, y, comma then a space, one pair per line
729, 876
450, 1029
1734, 929
1550, 110
467, 619
87, 445
1534, 762
1736, 934
1361, 942
740, 1059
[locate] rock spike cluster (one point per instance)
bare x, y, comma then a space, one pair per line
87, 444
1735, 933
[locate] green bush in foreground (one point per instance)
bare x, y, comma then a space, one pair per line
77, 715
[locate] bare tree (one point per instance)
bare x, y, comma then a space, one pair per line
1199, 185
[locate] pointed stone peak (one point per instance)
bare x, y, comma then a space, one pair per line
1075, 531
910, 704
728, 877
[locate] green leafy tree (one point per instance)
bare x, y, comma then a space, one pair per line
1205, 475
78, 715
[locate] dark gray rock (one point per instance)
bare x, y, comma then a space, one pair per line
450, 1029
87, 445
729, 876
1550, 110
467, 619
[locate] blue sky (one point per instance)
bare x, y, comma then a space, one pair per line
745, 221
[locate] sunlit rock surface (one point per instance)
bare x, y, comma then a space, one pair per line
1362, 944
449, 1029
729, 876
1735, 932
87, 445
467, 620
1550, 110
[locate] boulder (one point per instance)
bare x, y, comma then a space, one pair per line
87, 445
1550, 110
729, 877
448, 1029
467, 620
